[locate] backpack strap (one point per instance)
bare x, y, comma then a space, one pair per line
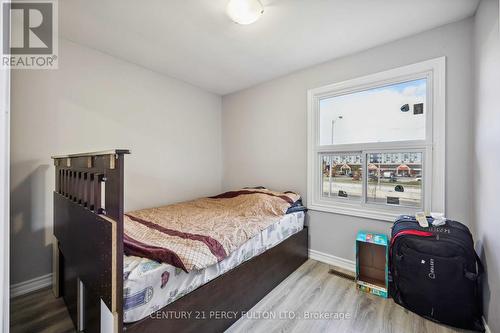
473, 276
479, 284
480, 267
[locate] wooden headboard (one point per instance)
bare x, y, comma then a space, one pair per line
88, 231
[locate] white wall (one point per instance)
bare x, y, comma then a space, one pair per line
96, 102
264, 128
487, 154
4, 194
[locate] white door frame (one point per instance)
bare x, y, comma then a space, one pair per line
4, 194
4, 197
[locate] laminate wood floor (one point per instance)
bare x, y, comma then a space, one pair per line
312, 291
309, 291
39, 312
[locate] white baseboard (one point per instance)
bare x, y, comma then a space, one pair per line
32, 285
329, 259
486, 327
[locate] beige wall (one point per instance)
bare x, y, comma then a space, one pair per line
95, 102
264, 128
486, 156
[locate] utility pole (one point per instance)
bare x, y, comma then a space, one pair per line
333, 125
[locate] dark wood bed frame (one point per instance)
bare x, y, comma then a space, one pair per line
88, 257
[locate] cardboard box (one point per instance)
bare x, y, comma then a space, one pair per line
372, 258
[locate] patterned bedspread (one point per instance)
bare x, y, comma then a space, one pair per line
196, 234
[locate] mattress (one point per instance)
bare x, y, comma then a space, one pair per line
149, 285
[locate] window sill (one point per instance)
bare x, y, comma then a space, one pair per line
364, 212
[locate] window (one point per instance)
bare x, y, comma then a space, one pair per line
395, 180
385, 114
376, 143
342, 176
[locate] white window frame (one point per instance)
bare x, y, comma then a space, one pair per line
432, 147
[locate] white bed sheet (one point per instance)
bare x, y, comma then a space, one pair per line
149, 285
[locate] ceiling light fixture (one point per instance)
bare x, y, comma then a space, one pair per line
244, 11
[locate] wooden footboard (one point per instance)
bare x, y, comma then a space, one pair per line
88, 230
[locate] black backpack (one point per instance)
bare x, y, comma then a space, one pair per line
435, 272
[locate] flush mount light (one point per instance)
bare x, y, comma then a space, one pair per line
244, 11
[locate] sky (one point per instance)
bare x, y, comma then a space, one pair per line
374, 115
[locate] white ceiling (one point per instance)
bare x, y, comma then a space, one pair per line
194, 41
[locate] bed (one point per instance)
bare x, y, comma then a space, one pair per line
114, 274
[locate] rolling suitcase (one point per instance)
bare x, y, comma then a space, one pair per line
435, 272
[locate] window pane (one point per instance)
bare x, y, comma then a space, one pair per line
391, 113
342, 176
395, 179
